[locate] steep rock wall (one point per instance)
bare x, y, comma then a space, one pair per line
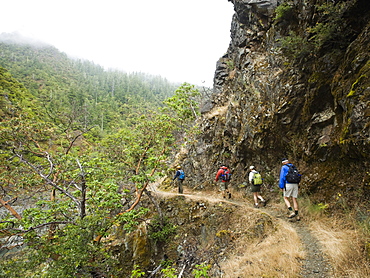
308, 101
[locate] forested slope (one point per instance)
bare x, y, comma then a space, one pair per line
79, 146
80, 91
79, 155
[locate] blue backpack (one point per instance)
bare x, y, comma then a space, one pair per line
182, 175
226, 175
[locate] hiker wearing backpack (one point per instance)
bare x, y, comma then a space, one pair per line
180, 176
288, 183
224, 175
255, 180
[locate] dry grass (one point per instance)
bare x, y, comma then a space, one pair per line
344, 246
279, 251
276, 255
342, 242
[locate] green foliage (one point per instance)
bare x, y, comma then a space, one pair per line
130, 220
185, 103
283, 12
230, 64
328, 30
314, 210
79, 95
294, 46
169, 272
201, 270
68, 251
54, 139
136, 272
160, 230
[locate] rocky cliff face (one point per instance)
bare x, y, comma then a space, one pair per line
294, 83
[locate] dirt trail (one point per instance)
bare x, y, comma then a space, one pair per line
315, 265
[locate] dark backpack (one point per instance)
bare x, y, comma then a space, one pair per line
293, 175
257, 179
226, 175
182, 175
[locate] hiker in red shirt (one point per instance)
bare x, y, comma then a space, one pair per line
223, 175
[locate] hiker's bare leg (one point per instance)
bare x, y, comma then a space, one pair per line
255, 197
286, 200
295, 204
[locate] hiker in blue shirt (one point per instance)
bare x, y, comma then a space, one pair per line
289, 189
180, 176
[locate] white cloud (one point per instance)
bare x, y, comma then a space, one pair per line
180, 40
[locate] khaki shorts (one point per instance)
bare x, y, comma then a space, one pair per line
224, 185
291, 190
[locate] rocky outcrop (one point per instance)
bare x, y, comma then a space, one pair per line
287, 88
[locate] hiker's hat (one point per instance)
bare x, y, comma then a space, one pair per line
178, 167
251, 167
284, 160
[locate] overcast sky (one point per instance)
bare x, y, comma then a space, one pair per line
179, 40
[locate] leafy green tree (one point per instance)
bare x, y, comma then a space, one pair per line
87, 202
185, 103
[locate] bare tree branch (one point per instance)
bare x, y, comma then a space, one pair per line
76, 137
141, 191
83, 191
47, 179
43, 225
9, 207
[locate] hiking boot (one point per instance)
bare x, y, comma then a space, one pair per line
292, 215
298, 218
229, 195
256, 206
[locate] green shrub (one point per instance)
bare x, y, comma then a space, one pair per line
136, 272
283, 12
295, 46
201, 271
159, 230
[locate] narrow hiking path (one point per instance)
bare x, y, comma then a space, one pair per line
314, 265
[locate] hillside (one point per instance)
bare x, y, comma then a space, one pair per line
80, 88
88, 156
